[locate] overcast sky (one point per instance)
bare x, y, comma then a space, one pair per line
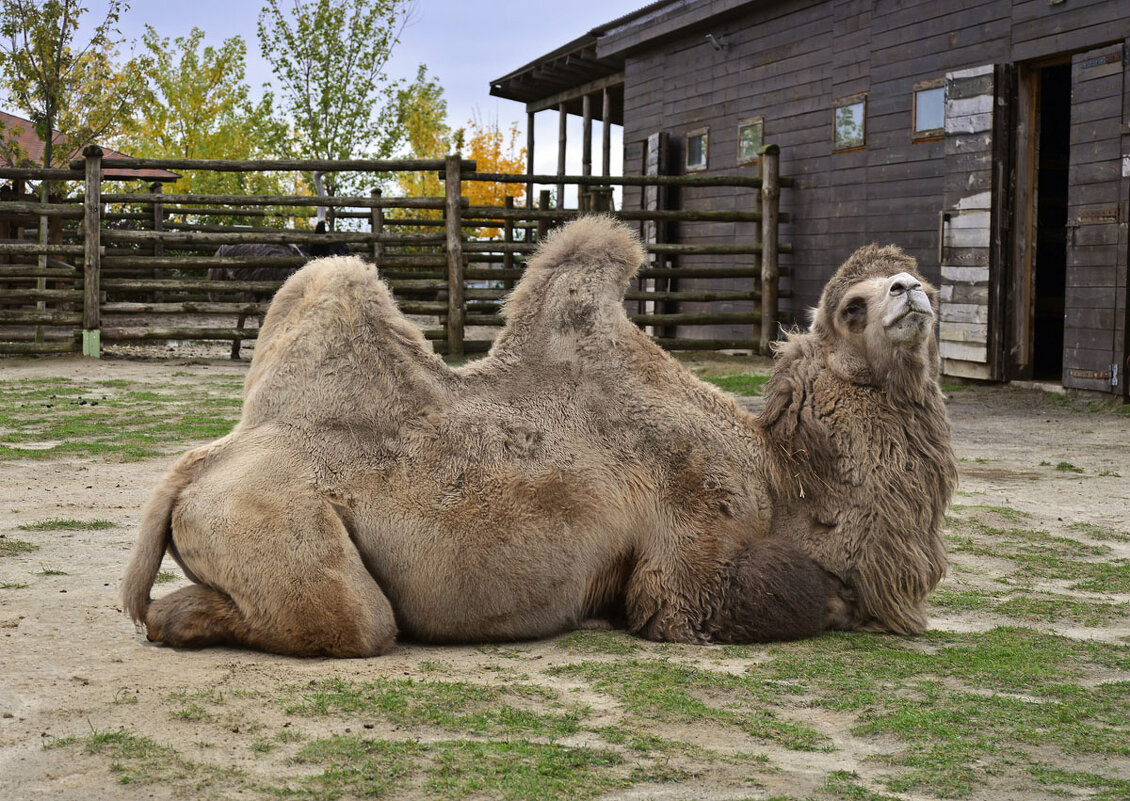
465, 44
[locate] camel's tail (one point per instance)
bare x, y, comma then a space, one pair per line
156, 530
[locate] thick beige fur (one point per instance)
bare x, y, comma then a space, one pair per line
576, 471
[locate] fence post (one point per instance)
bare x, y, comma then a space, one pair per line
769, 156
453, 186
543, 223
508, 238
377, 226
92, 256
157, 188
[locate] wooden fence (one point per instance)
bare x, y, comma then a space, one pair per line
76, 275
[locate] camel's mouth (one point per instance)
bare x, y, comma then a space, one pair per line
910, 311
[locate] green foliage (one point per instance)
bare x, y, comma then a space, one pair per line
197, 105
78, 90
329, 57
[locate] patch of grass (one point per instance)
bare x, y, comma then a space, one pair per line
140, 760
58, 524
520, 770
1067, 467
597, 641
13, 585
1105, 788
453, 705
263, 746
661, 690
52, 572
1041, 557
742, 384
9, 547
191, 711
1097, 532
846, 785
116, 419
1007, 512
455, 769
165, 576
966, 706
1026, 606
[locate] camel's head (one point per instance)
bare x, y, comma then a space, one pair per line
877, 317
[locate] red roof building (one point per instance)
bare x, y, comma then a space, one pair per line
30, 143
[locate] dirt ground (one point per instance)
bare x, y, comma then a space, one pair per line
71, 663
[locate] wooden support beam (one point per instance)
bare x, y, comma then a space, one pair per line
606, 140
529, 158
586, 135
569, 95
562, 116
92, 253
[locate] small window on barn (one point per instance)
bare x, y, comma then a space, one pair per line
698, 143
929, 110
751, 135
850, 131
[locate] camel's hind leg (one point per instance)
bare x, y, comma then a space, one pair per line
306, 593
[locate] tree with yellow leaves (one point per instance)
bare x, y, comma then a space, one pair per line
423, 113
497, 151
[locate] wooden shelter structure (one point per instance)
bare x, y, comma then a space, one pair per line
992, 142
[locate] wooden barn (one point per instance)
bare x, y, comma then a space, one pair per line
988, 138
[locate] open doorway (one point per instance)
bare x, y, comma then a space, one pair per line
1037, 299
1049, 267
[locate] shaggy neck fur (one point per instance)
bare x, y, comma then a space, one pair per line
863, 469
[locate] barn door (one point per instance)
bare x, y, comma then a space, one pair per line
1095, 291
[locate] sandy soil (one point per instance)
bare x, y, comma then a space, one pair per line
72, 663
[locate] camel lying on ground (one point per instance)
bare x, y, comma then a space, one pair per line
577, 471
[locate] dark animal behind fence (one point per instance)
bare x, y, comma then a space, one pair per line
265, 272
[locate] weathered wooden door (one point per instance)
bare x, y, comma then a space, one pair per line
969, 263
1097, 198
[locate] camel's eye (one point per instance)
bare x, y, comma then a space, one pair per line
855, 309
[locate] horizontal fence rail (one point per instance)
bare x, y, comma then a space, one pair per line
93, 268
